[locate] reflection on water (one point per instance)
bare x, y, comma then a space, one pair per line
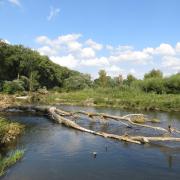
56, 152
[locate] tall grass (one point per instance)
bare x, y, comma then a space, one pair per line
9, 130
116, 97
10, 160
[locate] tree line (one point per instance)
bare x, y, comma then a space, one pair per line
23, 69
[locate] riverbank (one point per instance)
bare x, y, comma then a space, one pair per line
108, 97
132, 100
8, 133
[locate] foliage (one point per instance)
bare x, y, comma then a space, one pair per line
103, 78
121, 97
172, 84
9, 131
130, 79
153, 85
25, 69
11, 87
10, 160
153, 74
77, 82
17, 61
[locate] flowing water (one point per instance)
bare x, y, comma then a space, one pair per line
55, 152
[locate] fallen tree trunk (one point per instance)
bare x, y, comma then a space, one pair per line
58, 116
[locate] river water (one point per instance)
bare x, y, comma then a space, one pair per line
55, 152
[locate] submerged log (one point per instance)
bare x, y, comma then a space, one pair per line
60, 116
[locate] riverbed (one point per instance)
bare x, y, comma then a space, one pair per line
55, 152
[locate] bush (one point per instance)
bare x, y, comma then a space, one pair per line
153, 74
77, 83
172, 84
11, 87
155, 85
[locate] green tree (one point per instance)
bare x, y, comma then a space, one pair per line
153, 74
33, 81
172, 84
103, 79
14, 86
130, 79
77, 82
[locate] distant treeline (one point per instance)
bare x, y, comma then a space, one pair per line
153, 81
23, 69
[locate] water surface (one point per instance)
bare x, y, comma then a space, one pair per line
58, 153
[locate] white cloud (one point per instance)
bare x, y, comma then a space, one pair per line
94, 45
171, 62
47, 50
178, 47
90, 56
43, 40
68, 38
133, 56
96, 62
165, 49
53, 13
68, 61
87, 53
15, 2
114, 70
5, 41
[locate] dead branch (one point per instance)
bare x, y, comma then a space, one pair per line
58, 116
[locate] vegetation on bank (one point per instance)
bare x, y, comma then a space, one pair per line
9, 130
113, 97
10, 160
23, 69
25, 72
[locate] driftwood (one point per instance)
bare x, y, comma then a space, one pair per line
60, 116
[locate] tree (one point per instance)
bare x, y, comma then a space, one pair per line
155, 85
77, 82
33, 81
118, 80
14, 86
172, 84
153, 74
103, 78
17, 61
130, 78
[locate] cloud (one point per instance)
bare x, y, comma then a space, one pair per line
89, 56
15, 2
53, 13
94, 45
171, 62
163, 49
5, 41
68, 61
178, 47
95, 62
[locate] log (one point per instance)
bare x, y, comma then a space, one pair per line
58, 116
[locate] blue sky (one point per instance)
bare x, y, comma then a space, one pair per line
120, 36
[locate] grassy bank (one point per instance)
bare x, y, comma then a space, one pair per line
9, 130
108, 97
10, 160
105, 97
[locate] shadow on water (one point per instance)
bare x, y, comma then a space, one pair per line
56, 152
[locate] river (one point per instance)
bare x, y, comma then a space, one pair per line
55, 152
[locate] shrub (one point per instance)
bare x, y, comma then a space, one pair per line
14, 86
77, 83
155, 85
172, 84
